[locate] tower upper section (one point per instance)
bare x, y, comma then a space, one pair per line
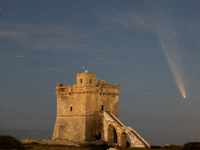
86, 79
86, 83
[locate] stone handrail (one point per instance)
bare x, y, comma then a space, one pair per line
115, 119
138, 136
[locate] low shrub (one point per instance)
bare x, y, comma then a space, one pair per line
9, 142
155, 147
192, 146
100, 147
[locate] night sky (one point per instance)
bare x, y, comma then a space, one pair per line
150, 48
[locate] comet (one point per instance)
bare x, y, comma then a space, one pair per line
168, 36
176, 73
172, 55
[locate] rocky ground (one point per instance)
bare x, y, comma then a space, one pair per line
50, 142
45, 144
34, 146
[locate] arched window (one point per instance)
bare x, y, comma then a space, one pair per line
81, 80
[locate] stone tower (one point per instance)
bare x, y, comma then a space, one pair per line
78, 107
88, 111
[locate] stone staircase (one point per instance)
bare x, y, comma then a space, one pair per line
135, 139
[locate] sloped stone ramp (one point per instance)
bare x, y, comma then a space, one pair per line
115, 131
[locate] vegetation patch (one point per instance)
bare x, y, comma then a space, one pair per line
155, 148
191, 146
9, 142
99, 147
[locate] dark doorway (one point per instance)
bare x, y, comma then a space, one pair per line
112, 134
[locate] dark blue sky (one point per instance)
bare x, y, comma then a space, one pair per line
150, 48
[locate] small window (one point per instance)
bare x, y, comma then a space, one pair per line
90, 80
71, 108
81, 81
101, 107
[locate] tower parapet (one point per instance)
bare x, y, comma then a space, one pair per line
60, 88
86, 83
